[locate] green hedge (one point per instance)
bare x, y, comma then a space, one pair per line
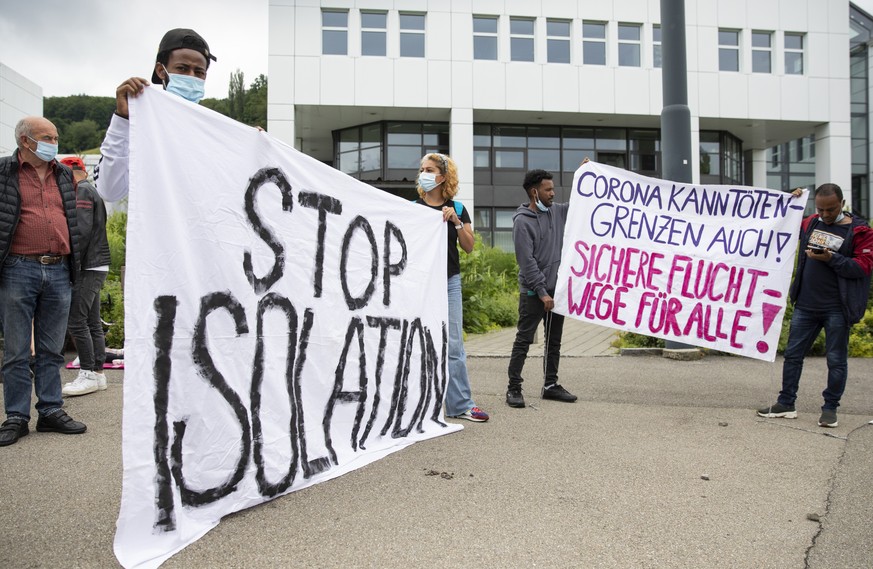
489, 278
111, 297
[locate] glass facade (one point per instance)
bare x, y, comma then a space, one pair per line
388, 153
861, 33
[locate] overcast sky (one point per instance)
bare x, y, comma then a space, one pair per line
71, 47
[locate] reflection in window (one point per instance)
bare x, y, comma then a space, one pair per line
594, 43
485, 37
558, 41
388, 151
373, 33
793, 54
629, 45
761, 52
334, 32
721, 158
411, 35
728, 50
521, 39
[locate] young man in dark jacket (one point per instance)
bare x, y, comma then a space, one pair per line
538, 234
85, 324
830, 290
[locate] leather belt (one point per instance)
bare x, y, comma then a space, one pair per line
44, 259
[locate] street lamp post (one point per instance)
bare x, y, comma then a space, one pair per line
675, 116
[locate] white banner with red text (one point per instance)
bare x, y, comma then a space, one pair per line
707, 266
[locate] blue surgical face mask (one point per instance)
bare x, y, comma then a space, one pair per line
427, 181
186, 86
540, 206
840, 217
45, 151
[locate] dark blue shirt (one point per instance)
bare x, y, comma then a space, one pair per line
819, 289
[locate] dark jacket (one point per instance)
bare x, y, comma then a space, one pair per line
91, 224
10, 207
538, 237
853, 264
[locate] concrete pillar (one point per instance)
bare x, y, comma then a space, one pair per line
759, 168
833, 156
461, 151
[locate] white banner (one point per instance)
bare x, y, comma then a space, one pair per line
285, 324
702, 265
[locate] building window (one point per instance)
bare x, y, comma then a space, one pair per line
334, 32
485, 37
411, 35
594, 43
721, 158
656, 45
374, 33
629, 45
728, 50
408, 142
793, 54
388, 153
762, 52
359, 151
521, 39
558, 40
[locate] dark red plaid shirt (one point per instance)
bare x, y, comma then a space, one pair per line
42, 227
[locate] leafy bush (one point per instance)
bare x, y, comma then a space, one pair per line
112, 311
112, 297
489, 279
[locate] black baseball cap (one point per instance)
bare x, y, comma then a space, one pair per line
182, 38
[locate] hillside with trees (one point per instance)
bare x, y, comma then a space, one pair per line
82, 120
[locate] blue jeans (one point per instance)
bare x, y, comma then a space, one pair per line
86, 326
805, 327
31, 293
458, 396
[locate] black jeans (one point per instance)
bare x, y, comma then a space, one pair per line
85, 324
531, 312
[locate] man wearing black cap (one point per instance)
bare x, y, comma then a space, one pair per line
181, 65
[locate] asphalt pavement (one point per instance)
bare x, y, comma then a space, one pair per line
659, 464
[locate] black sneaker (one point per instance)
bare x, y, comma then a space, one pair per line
828, 418
778, 411
514, 398
59, 422
557, 393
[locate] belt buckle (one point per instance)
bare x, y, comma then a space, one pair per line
47, 260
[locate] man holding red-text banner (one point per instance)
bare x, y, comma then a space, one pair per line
830, 291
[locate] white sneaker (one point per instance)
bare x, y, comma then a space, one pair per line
86, 382
101, 380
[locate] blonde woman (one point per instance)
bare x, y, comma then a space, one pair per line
437, 185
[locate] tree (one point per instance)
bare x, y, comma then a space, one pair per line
236, 95
256, 103
81, 120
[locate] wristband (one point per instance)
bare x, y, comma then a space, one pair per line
459, 226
